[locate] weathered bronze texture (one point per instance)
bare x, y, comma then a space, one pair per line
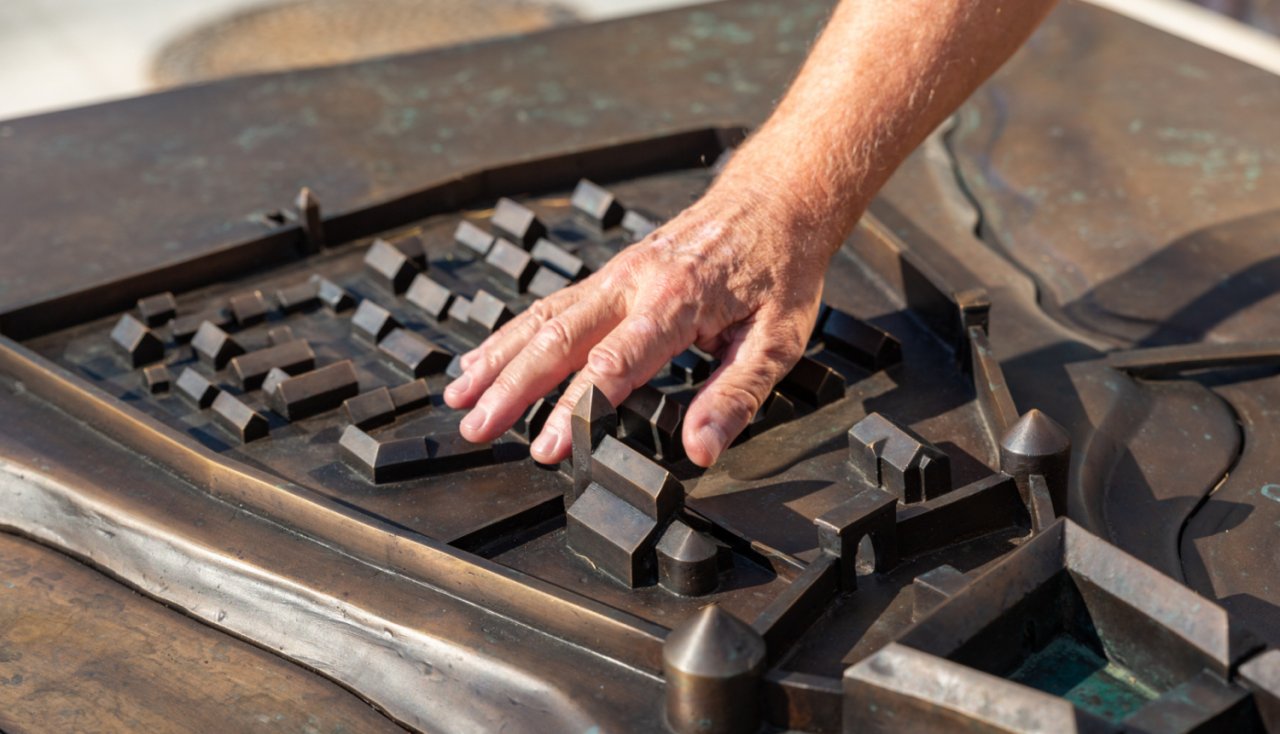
597, 204
1037, 445
594, 418
373, 322
136, 340
688, 561
898, 460
712, 665
157, 310
392, 268
314, 392
434, 299
518, 222
293, 357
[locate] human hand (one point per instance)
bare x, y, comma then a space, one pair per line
739, 274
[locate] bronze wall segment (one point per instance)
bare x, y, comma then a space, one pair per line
294, 595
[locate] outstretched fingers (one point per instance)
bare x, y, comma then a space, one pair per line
757, 357
557, 348
482, 365
629, 356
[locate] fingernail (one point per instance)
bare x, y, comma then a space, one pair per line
459, 385
475, 420
713, 439
548, 442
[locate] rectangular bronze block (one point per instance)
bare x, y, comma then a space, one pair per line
392, 460
249, 308
251, 369
460, 311
185, 327
430, 296
158, 309
411, 247
452, 452
899, 460
214, 346
197, 388
274, 377
517, 221
280, 335
300, 297
240, 419
795, 610
856, 340
389, 267
315, 392
551, 255
984, 506
156, 378
488, 312
417, 354
1262, 675
654, 420
372, 322
371, 409
635, 478
933, 587
596, 204
691, 367
638, 225
777, 409
139, 344
410, 396
872, 512
546, 281
473, 238
530, 424
333, 296
593, 418
612, 534
813, 382
514, 264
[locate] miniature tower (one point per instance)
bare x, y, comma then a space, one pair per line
713, 664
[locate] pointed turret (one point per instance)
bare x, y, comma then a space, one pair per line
1037, 444
713, 663
594, 417
687, 563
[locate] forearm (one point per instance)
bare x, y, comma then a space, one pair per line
740, 272
881, 77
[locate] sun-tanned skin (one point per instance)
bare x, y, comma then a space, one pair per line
740, 272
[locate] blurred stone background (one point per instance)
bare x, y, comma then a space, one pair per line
66, 53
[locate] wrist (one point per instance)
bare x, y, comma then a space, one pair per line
813, 214
798, 187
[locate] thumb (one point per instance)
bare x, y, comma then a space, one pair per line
757, 357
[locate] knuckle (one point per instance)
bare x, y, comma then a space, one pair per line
607, 362
539, 311
493, 360
507, 383
781, 355
644, 327
553, 338
739, 401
